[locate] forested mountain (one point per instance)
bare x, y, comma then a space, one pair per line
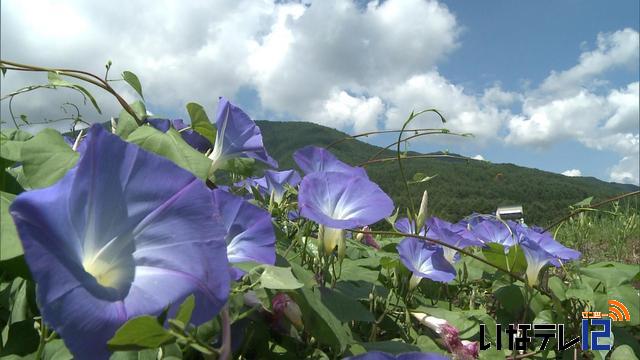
462, 186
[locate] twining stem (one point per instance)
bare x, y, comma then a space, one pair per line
374, 161
462, 251
587, 208
353, 137
43, 339
441, 132
78, 74
225, 350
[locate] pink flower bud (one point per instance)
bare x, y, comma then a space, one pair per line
283, 305
368, 239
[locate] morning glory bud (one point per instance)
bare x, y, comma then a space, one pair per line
282, 304
422, 214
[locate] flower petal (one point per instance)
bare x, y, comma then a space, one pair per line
340, 201
312, 159
250, 235
238, 136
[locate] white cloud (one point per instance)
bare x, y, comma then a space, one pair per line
572, 172
577, 104
343, 111
627, 170
614, 50
478, 157
464, 113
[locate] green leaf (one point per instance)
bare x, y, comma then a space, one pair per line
126, 125
580, 290
22, 339
343, 307
514, 260
200, 122
623, 352
281, 278
11, 144
557, 287
46, 158
420, 178
351, 271
56, 80
171, 146
142, 332
186, 309
611, 273
319, 321
133, 81
10, 246
139, 109
55, 350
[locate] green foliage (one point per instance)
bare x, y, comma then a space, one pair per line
143, 332
46, 158
133, 81
200, 122
173, 147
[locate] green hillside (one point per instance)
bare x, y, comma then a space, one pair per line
462, 185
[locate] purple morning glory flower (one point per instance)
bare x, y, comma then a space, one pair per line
541, 249
452, 234
342, 202
339, 201
272, 182
250, 235
379, 355
492, 230
124, 233
425, 260
237, 136
312, 159
438, 229
190, 136
276, 181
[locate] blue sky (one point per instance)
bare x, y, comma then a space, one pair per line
545, 84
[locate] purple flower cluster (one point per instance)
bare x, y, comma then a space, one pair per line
127, 233
433, 261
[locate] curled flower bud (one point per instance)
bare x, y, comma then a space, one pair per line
367, 239
422, 214
283, 305
462, 350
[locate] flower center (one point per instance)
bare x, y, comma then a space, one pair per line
110, 275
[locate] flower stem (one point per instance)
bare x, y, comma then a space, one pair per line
225, 350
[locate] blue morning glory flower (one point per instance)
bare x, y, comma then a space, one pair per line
249, 232
339, 201
276, 181
342, 202
492, 230
425, 260
312, 159
237, 136
272, 182
452, 234
438, 229
540, 249
190, 136
124, 233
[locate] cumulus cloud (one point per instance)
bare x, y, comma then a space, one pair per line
478, 157
577, 104
613, 50
464, 113
572, 172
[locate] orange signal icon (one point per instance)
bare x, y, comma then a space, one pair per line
618, 311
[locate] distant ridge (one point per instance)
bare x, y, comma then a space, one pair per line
462, 185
